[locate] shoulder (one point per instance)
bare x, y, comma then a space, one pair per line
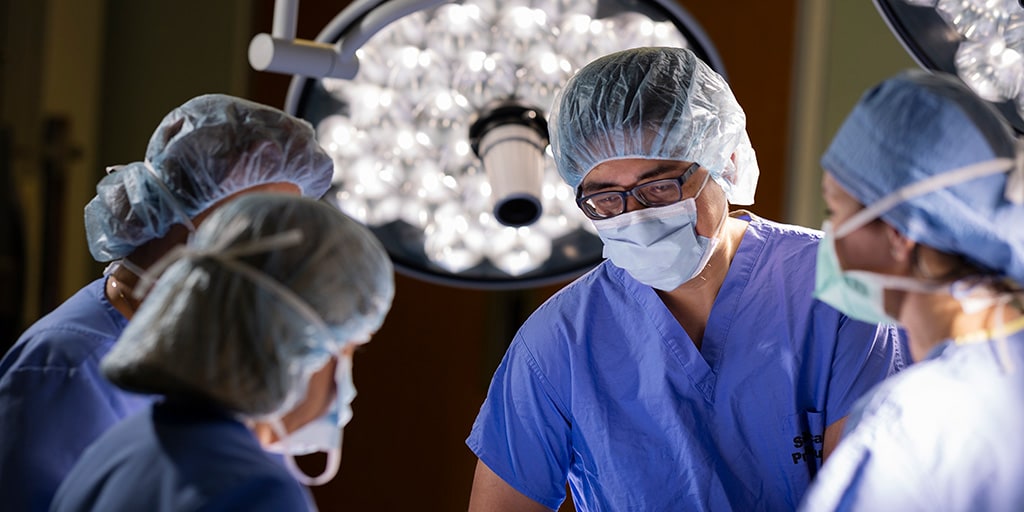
780, 233
79, 330
603, 294
602, 285
923, 393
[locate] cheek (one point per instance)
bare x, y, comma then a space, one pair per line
864, 249
711, 206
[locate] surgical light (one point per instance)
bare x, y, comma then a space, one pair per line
981, 41
436, 116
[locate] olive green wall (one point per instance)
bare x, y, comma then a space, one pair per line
845, 49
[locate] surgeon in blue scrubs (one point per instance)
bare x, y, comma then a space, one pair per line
53, 399
693, 369
925, 185
272, 290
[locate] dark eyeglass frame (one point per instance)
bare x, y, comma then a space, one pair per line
585, 202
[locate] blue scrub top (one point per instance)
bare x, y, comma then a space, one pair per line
180, 456
944, 435
53, 399
602, 387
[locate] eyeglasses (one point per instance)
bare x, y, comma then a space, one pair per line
603, 205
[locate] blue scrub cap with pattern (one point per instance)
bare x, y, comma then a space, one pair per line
202, 152
917, 125
270, 286
653, 103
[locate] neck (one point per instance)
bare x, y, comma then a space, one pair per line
120, 291
932, 319
691, 302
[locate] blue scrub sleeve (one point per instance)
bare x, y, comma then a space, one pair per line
48, 416
523, 431
865, 355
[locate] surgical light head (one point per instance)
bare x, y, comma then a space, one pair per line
655, 103
202, 152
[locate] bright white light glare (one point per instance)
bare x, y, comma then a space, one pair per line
518, 250
401, 141
989, 57
992, 70
976, 19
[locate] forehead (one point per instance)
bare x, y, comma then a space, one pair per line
629, 171
833, 192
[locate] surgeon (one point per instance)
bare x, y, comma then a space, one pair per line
693, 369
271, 290
53, 399
925, 187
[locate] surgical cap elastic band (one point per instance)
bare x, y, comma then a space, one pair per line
226, 257
278, 241
925, 186
185, 219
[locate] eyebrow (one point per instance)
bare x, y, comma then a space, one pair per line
658, 170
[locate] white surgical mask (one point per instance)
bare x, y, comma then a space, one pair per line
323, 434
659, 246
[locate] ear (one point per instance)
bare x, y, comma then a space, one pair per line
900, 247
731, 176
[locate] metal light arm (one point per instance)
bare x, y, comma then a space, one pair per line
281, 52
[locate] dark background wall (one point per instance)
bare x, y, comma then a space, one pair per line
113, 68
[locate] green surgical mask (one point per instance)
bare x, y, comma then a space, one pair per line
856, 294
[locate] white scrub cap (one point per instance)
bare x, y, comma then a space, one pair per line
213, 327
917, 125
203, 151
653, 103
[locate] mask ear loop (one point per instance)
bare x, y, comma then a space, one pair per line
1002, 344
1014, 191
970, 302
937, 182
330, 468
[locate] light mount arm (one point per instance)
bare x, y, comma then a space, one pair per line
281, 52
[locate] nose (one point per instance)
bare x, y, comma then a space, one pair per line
632, 204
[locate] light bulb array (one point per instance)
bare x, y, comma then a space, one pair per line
399, 129
990, 55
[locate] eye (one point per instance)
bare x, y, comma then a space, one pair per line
660, 187
605, 200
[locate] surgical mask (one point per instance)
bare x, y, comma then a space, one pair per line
323, 434
861, 294
858, 295
659, 246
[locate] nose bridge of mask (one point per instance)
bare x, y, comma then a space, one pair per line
657, 213
346, 390
937, 182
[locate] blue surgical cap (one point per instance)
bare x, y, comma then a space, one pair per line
207, 330
916, 125
653, 103
203, 151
